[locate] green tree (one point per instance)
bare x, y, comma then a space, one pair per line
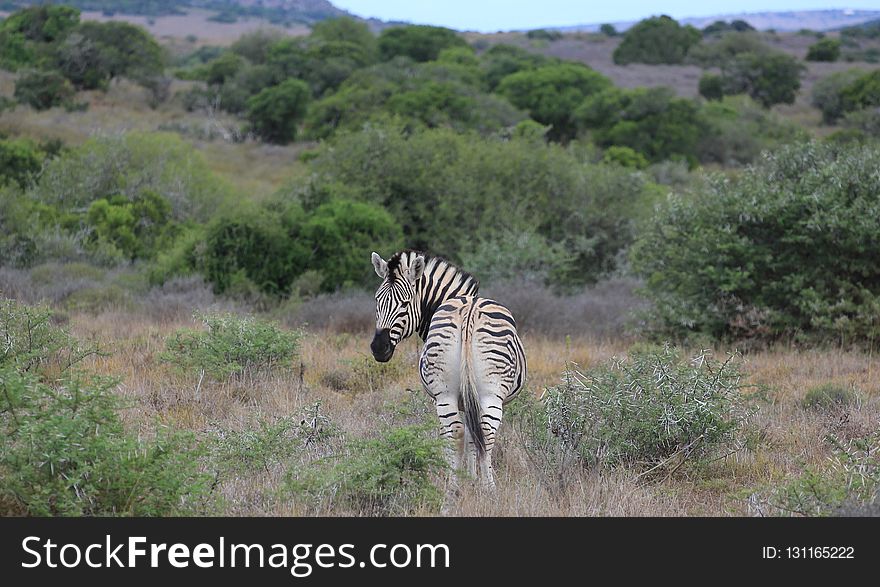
863, 92
827, 93
500, 61
769, 78
608, 30
347, 30
827, 49
711, 86
42, 90
275, 113
418, 42
551, 94
652, 121
341, 234
28, 35
659, 39
97, 52
785, 249
20, 161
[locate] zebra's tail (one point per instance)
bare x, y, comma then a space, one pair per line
470, 399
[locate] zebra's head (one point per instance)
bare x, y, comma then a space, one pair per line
398, 310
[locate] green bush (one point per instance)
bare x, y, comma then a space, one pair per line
430, 94
769, 78
42, 90
443, 188
544, 35
232, 347
651, 121
737, 130
20, 161
341, 234
271, 444
418, 42
656, 40
654, 409
608, 30
785, 249
825, 50
827, 93
625, 157
97, 52
28, 36
33, 343
64, 451
500, 61
132, 165
552, 93
719, 52
711, 86
851, 480
827, 396
863, 92
275, 113
392, 474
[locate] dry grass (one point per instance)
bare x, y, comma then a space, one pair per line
331, 370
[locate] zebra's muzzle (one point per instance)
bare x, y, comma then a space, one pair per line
381, 346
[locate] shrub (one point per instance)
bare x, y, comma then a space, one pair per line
827, 49
433, 95
625, 157
850, 482
651, 121
442, 188
652, 409
719, 52
656, 40
131, 165
232, 347
418, 42
786, 249
63, 451
827, 396
711, 86
827, 93
32, 341
341, 234
769, 78
863, 92
608, 30
392, 474
270, 444
737, 130
42, 90
20, 161
551, 94
97, 52
500, 61
275, 113
544, 35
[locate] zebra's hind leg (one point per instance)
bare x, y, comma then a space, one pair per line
451, 429
490, 420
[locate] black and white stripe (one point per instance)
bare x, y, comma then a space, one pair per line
472, 361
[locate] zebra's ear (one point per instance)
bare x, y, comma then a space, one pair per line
379, 265
417, 268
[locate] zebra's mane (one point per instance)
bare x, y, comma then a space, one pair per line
433, 263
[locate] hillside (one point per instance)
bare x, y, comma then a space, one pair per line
817, 20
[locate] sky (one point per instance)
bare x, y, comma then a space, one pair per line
494, 15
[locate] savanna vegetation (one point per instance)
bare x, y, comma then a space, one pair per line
185, 292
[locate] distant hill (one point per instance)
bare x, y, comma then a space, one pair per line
277, 11
817, 20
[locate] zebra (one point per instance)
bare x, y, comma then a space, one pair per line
472, 361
